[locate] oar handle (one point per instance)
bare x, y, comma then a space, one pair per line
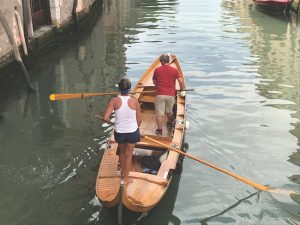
101, 118
188, 89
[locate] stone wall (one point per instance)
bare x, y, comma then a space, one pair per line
61, 15
61, 10
7, 8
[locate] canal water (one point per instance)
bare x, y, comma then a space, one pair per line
244, 115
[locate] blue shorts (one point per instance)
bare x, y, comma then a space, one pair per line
131, 138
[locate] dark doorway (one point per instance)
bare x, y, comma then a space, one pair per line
40, 10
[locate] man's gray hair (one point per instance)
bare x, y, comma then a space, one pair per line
164, 59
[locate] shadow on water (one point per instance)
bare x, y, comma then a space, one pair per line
216, 217
11, 79
28, 107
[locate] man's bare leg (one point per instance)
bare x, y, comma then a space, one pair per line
170, 117
159, 120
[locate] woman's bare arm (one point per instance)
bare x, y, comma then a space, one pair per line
138, 113
108, 111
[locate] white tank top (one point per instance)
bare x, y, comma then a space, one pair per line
125, 121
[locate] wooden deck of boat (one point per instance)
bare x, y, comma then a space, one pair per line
108, 178
148, 125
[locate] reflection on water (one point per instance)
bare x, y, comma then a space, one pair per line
278, 50
244, 114
204, 221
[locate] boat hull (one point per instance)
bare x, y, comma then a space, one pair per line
272, 7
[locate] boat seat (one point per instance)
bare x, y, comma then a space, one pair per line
148, 177
147, 143
147, 98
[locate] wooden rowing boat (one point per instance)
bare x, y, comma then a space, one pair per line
274, 7
147, 189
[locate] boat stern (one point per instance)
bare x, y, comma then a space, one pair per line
145, 192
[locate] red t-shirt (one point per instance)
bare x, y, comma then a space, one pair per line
165, 77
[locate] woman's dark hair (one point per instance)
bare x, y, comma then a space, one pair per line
124, 85
164, 59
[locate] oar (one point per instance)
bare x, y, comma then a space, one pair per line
293, 195
238, 177
55, 97
101, 118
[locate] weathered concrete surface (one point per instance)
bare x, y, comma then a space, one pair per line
48, 36
8, 10
61, 10
61, 16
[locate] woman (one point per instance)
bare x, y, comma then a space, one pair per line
127, 122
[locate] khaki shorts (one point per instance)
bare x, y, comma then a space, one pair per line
164, 103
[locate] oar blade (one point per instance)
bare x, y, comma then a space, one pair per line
295, 197
55, 97
52, 97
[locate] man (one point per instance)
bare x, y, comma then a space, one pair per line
127, 121
164, 78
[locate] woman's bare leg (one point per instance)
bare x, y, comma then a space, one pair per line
128, 162
122, 158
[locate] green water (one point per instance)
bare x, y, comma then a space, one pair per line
244, 115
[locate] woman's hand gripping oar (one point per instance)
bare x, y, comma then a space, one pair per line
101, 118
261, 187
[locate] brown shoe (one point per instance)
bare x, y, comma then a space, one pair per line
158, 132
169, 124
